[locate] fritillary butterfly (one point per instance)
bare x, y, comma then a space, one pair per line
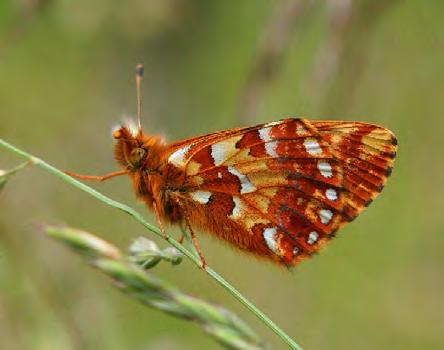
278, 190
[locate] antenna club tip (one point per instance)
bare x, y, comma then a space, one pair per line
139, 70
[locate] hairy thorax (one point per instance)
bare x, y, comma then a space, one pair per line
154, 181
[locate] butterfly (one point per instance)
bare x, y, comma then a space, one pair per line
277, 190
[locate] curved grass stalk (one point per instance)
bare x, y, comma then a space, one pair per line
133, 280
136, 215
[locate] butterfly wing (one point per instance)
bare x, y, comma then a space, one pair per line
281, 190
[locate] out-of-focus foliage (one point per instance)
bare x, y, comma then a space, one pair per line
66, 77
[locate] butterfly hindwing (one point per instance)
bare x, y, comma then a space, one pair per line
285, 187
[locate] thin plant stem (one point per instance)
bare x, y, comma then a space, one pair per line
133, 279
136, 215
16, 169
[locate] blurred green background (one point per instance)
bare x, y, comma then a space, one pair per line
66, 77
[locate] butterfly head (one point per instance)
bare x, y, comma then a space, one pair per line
129, 149
133, 148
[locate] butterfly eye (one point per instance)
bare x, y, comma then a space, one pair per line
136, 156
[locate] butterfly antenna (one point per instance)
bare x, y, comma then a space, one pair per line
139, 75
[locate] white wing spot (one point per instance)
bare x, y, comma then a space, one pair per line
325, 169
270, 148
218, 152
325, 216
269, 235
246, 185
300, 130
296, 251
312, 146
219, 175
177, 158
331, 194
201, 196
237, 210
264, 134
312, 237
223, 150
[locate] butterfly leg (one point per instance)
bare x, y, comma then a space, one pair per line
196, 244
182, 237
159, 221
192, 234
95, 177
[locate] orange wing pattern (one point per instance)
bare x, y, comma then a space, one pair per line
281, 190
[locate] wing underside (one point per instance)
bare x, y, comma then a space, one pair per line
281, 190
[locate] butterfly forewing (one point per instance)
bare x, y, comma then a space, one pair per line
280, 190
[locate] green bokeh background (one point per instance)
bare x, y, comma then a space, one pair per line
66, 77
